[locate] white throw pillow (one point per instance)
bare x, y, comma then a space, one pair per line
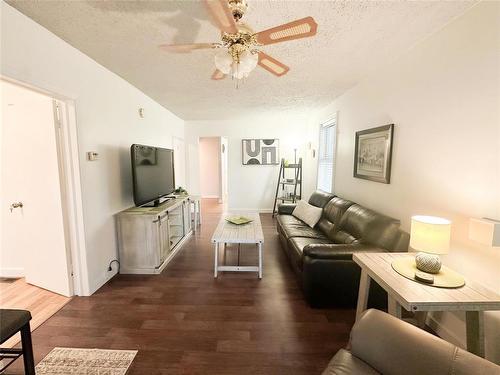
308, 213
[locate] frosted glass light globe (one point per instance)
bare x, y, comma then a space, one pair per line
223, 61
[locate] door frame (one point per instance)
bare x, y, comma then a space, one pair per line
223, 167
71, 193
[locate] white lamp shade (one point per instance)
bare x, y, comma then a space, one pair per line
430, 234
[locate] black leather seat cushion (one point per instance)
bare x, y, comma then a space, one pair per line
297, 244
293, 227
285, 220
11, 321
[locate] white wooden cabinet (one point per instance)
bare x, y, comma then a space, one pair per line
149, 237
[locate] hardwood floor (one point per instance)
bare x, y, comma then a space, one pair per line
40, 302
186, 322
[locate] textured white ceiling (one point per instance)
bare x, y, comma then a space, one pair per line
354, 38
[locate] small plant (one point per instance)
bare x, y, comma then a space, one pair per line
181, 191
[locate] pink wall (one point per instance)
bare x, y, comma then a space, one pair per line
209, 167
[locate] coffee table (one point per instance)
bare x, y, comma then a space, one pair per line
228, 233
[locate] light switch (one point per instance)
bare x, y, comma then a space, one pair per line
92, 156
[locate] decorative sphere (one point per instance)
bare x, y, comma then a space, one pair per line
428, 262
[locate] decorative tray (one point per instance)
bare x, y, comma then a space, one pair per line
238, 220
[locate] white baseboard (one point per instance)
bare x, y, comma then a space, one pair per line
11, 272
260, 210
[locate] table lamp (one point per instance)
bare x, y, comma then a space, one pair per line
430, 236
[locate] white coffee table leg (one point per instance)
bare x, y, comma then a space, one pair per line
364, 289
260, 259
216, 263
199, 212
195, 214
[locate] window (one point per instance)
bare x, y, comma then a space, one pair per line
326, 155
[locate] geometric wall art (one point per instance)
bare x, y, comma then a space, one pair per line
260, 151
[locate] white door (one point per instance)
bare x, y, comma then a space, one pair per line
30, 175
179, 161
223, 169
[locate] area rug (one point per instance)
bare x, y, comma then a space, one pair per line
77, 361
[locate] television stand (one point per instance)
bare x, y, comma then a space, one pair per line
158, 202
150, 237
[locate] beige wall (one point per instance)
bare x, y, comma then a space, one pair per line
444, 98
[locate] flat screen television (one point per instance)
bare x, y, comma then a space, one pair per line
152, 174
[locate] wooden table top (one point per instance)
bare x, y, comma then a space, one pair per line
245, 233
415, 296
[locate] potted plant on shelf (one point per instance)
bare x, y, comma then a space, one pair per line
181, 191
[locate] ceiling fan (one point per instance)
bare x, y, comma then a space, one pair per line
239, 46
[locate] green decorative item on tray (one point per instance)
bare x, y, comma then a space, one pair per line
238, 220
181, 191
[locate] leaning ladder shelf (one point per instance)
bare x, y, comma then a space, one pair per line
285, 185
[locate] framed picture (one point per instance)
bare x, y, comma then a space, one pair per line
260, 151
373, 154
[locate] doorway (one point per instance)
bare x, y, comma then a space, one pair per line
34, 241
213, 153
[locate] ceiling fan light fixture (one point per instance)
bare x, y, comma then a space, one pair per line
237, 64
223, 61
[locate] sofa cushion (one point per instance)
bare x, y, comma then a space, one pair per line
362, 225
308, 213
304, 231
290, 226
287, 220
297, 244
320, 198
332, 213
344, 363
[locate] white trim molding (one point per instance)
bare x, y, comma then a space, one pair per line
11, 272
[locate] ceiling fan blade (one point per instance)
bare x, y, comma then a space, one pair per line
272, 65
218, 75
186, 48
222, 16
302, 28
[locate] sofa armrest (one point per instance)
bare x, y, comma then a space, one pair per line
388, 345
286, 208
337, 251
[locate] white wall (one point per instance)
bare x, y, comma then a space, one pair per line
252, 187
444, 98
107, 121
210, 179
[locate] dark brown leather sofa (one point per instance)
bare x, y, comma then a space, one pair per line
383, 344
322, 256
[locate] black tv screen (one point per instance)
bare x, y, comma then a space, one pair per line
152, 173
